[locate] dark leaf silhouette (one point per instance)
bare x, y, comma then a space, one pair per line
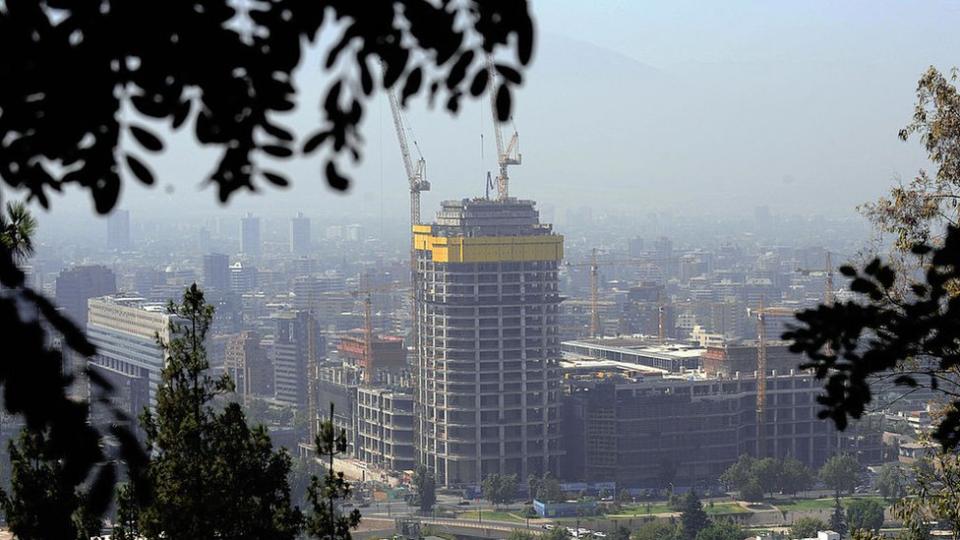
913, 340
503, 103
63, 96
412, 86
277, 151
102, 488
509, 73
315, 141
334, 178
479, 83
139, 170
275, 179
67, 89
146, 139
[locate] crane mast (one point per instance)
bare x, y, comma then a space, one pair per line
828, 285
506, 155
416, 172
594, 296
761, 379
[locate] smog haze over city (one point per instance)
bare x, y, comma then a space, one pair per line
640, 270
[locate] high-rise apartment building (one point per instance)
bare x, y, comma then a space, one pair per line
247, 364
78, 284
297, 344
488, 378
216, 272
125, 330
250, 235
243, 278
118, 229
300, 234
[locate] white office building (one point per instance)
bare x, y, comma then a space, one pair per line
125, 331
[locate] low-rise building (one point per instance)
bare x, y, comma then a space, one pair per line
643, 428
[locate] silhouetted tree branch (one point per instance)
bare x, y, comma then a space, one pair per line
226, 74
199, 64
915, 338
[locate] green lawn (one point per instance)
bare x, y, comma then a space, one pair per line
664, 508
631, 510
800, 505
488, 515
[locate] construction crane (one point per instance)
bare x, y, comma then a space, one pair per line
761, 378
594, 265
416, 173
313, 353
828, 284
417, 180
508, 154
366, 360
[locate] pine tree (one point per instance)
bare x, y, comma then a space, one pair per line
125, 526
838, 523
42, 502
426, 488
325, 521
692, 518
212, 475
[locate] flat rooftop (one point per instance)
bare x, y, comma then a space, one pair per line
671, 357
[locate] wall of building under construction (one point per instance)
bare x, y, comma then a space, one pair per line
488, 302
686, 432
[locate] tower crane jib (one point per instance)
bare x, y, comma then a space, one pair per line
508, 154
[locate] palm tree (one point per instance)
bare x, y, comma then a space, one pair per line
17, 228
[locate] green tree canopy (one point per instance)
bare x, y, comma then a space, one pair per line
864, 514
211, 474
737, 475
549, 490
656, 530
692, 517
721, 530
838, 522
499, 489
426, 488
42, 502
807, 527
767, 471
841, 473
795, 476
755, 477
17, 228
891, 481
931, 496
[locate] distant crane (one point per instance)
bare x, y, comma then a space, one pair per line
594, 265
506, 155
366, 360
416, 173
761, 378
417, 180
828, 295
313, 353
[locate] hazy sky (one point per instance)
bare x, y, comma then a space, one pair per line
692, 107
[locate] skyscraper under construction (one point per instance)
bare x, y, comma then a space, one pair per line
487, 307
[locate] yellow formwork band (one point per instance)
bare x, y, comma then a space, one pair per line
459, 249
